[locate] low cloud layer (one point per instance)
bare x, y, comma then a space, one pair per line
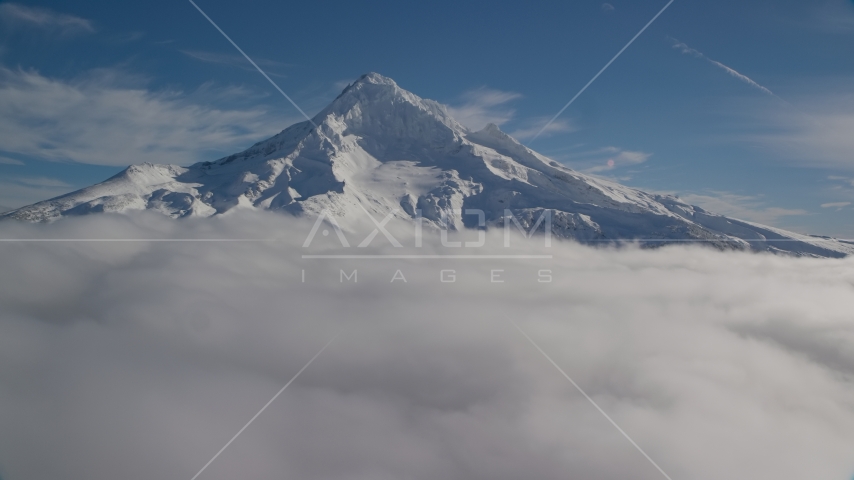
139, 360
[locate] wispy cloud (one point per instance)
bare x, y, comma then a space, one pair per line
19, 191
231, 60
482, 106
129, 37
9, 161
731, 71
42, 182
818, 133
849, 182
106, 119
619, 158
535, 125
745, 207
836, 205
603, 159
16, 15
607, 8
340, 85
834, 16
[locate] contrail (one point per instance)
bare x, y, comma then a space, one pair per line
744, 78
600, 71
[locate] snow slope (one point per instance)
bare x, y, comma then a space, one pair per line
384, 149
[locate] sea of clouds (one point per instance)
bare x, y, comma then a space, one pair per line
140, 360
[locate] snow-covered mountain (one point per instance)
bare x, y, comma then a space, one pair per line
384, 149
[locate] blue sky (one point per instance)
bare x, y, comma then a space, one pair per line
745, 108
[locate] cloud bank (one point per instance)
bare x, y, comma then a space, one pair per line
139, 360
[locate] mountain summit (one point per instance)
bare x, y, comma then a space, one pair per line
384, 149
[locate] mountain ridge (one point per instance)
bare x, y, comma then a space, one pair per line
383, 149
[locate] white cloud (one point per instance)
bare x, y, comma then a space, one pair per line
340, 85
105, 118
603, 159
482, 106
16, 15
534, 126
720, 365
233, 60
42, 182
9, 161
20, 191
744, 207
847, 181
607, 8
833, 16
818, 133
732, 72
619, 158
837, 205
130, 37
